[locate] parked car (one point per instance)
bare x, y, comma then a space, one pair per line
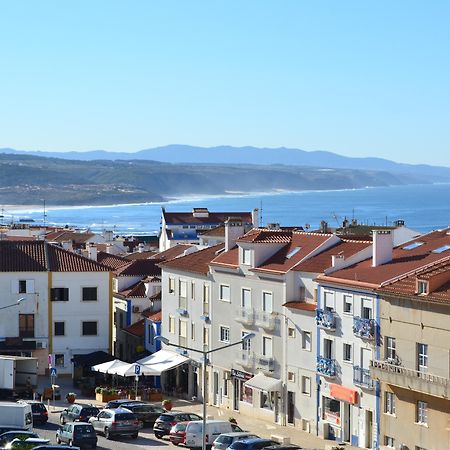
78, 412
226, 439
116, 422
25, 444
55, 447
9, 436
252, 444
119, 402
145, 412
81, 434
166, 421
39, 411
177, 433
214, 428
283, 447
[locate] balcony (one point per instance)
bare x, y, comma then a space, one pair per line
245, 358
396, 375
326, 319
246, 316
266, 320
364, 328
265, 363
326, 366
362, 378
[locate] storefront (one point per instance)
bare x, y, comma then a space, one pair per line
241, 393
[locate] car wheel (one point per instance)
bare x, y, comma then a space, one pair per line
135, 435
107, 433
70, 443
158, 436
61, 420
58, 440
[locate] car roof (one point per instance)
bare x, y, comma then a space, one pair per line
208, 420
237, 433
51, 446
80, 423
118, 410
253, 440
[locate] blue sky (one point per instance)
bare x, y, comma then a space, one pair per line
359, 78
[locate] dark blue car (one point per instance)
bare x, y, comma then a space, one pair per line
252, 444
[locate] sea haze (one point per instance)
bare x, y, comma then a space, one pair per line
422, 207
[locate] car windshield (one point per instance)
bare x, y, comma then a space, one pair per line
224, 440
83, 429
38, 407
238, 445
89, 411
195, 428
125, 416
166, 418
180, 426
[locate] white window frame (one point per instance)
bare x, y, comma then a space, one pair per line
182, 286
171, 286
390, 348
225, 293
348, 300
193, 330
246, 256
389, 403
422, 412
182, 328
306, 385
266, 306
306, 345
171, 324
224, 334
267, 346
243, 298
344, 346
389, 441
291, 376
291, 332
247, 344
422, 357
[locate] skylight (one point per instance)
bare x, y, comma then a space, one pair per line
293, 252
444, 248
413, 245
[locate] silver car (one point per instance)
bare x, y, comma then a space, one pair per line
116, 422
223, 441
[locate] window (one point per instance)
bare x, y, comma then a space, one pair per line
246, 393
224, 292
246, 300
182, 328
89, 328
267, 400
390, 352
171, 324
171, 285
422, 357
90, 294
302, 293
267, 302
366, 313
422, 287
22, 286
59, 294
348, 304
306, 340
422, 412
193, 331
246, 256
389, 403
59, 328
59, 359
389, 441
306, 385
347, 353
205, 293
226, 377
193, 290
225, 334
328, 348
246, 345
26, 325
329, 301
267, 346
291, 332
413, 245
205, 338
182, 288
291, 376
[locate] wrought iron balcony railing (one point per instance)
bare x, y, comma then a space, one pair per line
326, 366
364, 328
245, 316
361, 377
326, 319
265, 320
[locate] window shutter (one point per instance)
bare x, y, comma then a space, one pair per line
14, 286
30, 286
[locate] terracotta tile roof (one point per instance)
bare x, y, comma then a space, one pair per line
156, 296
40, 256
322, 261
301, 305
229, 258
406, 287
215, 232
141, 255
75, 237
112, 261
139, 267
151, 315
262, 235
180, 218
172, 252
135, 291
403, 261
136, 329
197, 262
19, 238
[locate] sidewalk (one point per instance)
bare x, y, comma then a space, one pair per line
257, 426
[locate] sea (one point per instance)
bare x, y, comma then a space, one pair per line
422, 207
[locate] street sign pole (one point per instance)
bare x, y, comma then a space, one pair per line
137, 372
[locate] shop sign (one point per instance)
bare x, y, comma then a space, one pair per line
239, 374
345, 394
333, 418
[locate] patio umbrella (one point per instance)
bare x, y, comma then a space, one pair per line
134, 370
109, 366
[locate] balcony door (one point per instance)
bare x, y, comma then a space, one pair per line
246, 299
328, 348
26, 325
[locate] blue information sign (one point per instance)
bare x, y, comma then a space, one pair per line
137, 369
53, 371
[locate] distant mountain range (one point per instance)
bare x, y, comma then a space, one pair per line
178, 154
99, 177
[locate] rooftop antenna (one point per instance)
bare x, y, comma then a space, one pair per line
260, 214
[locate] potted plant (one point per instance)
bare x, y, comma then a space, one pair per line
71, 397
167, 404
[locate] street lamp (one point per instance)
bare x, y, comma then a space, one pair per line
21, 299
205, 354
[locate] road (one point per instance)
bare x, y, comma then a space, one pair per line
145, 439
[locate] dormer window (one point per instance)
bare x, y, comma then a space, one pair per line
422, 287
246, 256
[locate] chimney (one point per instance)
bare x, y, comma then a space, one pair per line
337, 261
67, 245
141, 247
92, 252
234, 229
255, 217
108, 248
323, 226
382, 245
273, 226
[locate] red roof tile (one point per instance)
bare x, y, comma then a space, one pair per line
172, 252
179, 218
154, 316
141, 255
403, 261
262, 235
112, 261
140, 267
136, 329
197, 262
135, 291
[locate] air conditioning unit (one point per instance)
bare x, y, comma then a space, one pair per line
136, 309
41, 344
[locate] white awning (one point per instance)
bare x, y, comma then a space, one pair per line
133, 369
163, 360
109, 366
264, 383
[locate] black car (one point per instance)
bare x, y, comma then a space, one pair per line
119, 402
9, 436
145, 412
39, 411
78, 413
166, 421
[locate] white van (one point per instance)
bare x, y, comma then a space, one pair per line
16, 416
213, 429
